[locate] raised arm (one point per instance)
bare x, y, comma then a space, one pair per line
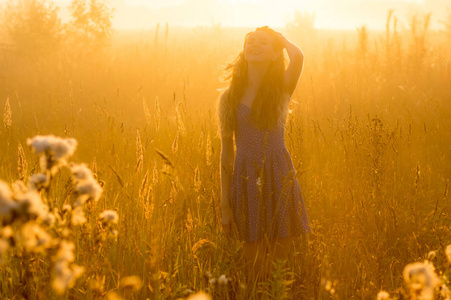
294, 69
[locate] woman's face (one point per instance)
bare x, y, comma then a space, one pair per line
259, 47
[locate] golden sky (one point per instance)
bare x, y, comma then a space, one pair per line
333, 14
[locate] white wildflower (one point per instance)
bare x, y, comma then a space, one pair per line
132, 282
421, 279
222, 279
383, 295
66, 207
207, 274
49, 219
5, 191
109, 216
445, 292
88, 190
55, 150
31, 204
212, 281
448, 253
6, 232
35, 238
7, 204
66, 276
259, 182
59, 148
38, 181
78, 216
85, 184
81, 172
66, 251
431, 255
327, 285
18, 187
66, 272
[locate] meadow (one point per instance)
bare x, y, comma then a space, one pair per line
369, 134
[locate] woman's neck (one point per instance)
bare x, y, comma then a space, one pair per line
255, 73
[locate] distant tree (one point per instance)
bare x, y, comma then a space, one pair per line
91, 26
303, 23
33, 27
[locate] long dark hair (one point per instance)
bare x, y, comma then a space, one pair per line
270, 104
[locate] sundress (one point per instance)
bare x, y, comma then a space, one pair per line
265, 195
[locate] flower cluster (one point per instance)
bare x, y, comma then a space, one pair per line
27, 223
422, 281
22, 203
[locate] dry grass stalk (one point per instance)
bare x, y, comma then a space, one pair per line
7, 115
175, 144
147, 113
22, 165
157, 114
208, 150
139, 153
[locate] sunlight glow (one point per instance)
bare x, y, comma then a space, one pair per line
330, 14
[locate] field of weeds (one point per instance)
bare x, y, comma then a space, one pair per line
124, 199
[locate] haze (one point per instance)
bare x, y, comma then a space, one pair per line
330, 14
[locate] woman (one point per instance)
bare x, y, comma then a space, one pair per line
259, 190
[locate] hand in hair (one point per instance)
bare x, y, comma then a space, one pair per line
283, 40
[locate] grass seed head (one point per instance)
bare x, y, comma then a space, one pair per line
139, 153
7, 115
22, 165
146, 112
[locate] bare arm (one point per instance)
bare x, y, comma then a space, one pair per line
294, 69
227, 160
226, 167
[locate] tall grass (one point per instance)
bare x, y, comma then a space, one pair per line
368, 134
